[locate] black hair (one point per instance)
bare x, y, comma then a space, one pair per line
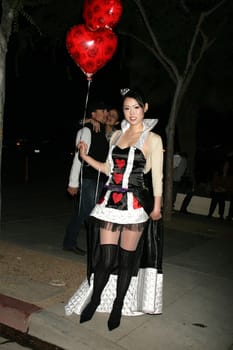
137, 95
94, 105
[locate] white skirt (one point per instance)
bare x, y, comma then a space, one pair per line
129, 216
144, 295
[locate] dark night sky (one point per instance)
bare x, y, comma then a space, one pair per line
42, 102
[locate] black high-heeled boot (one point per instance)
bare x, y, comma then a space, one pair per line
126, 260
89, 311
115, 316
101, 276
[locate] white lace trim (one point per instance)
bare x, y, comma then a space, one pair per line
144, 295
130, 216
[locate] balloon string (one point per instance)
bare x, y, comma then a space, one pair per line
86, 103
83, 123
85, 108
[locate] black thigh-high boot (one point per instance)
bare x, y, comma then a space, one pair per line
101, 276
126, 263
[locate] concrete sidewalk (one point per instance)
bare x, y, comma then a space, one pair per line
198, 287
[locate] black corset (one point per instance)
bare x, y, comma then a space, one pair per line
120, 160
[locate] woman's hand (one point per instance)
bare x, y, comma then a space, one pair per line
156, 214
82, 147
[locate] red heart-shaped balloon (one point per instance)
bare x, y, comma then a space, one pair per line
102, 13
90, 50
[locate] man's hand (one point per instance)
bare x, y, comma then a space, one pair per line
96, 125
72, 190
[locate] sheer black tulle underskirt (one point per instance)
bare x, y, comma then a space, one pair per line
112, 226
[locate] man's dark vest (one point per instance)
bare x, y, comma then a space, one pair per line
98, 150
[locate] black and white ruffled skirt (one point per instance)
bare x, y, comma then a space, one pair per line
145, 292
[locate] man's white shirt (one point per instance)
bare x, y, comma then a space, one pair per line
83, 134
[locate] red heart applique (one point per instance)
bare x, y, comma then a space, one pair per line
120, 163
117, 197
101, 200
136, 204
117, 178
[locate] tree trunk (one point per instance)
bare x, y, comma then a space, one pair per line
168, 186
186, 129
5, 32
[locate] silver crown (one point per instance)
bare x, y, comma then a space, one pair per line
124, 91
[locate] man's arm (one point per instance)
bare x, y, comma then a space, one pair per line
83, 134
95, 123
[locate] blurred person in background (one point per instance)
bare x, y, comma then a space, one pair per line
84, 181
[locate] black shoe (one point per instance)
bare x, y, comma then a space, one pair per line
88, 312
75, 250
114, 318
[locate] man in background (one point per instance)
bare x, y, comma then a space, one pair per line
85, 181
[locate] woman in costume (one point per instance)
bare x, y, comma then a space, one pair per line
121, 216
